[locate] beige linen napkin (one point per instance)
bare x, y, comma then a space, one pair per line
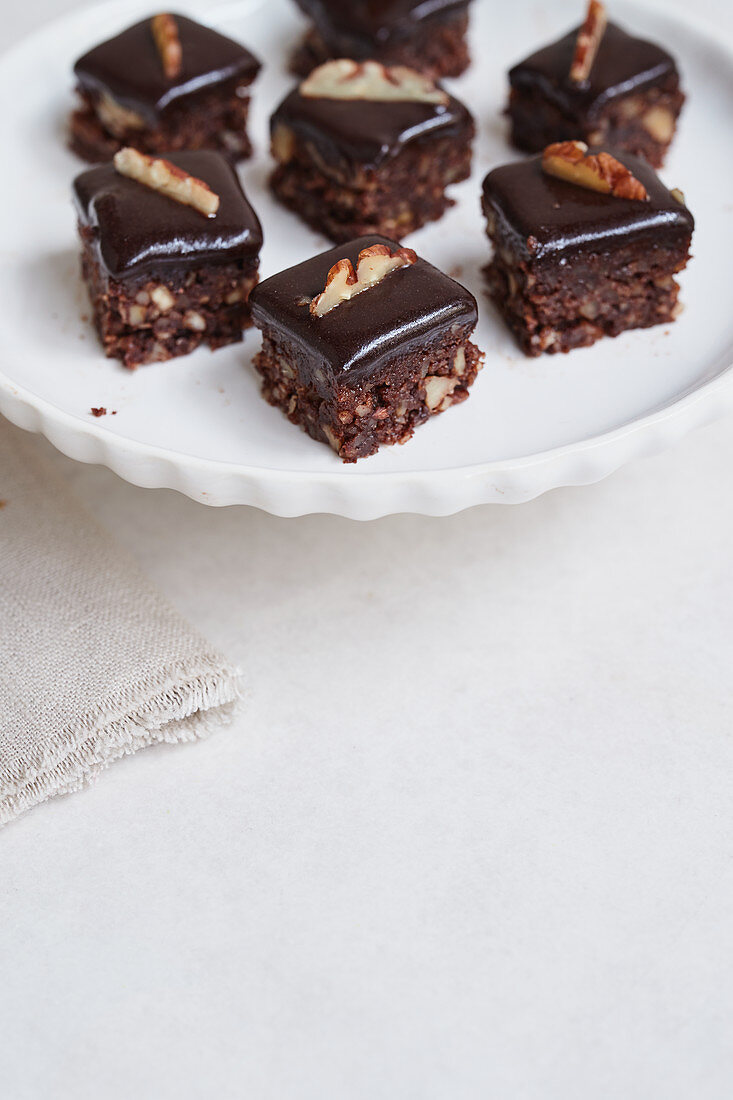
93, 663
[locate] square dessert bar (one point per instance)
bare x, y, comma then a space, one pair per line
598, 84
584, 246
165, 84
363, 343
170, 253
430, 37
363, 148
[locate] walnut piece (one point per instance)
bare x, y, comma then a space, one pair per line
160, 175
343, 79
373, 265
116, 118
438, 391
659, 124
282, 144
588, 41
168, 44
570, 160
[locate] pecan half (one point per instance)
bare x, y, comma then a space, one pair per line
343, 79
343, 282
588, 41
168, 44
160, 175
570, 160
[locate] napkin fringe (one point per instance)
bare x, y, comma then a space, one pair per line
189, 705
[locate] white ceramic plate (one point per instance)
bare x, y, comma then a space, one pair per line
198, 424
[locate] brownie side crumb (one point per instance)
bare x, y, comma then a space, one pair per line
356, 417
215, 119
552, 309
145, 320
392, 200
100, 411
438, 48
642, 123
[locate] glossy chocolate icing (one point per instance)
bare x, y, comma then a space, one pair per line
353, 28
541, 217
359, 132
409, 307
139, 231
623, 65
128, 67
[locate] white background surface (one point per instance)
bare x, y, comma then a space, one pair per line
471, 837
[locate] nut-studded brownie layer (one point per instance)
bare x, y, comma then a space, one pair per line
579, 254
438, 49
642, 123
146, 320
555, 309
393, 199
357, 416
216, 120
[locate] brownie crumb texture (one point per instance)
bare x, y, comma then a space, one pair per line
362, 415
216, 120
438, 48
393, 200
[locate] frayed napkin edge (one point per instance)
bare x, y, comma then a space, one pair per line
187, 708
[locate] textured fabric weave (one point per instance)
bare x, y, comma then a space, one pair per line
93, 663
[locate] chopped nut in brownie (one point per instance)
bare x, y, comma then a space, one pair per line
170, 253
586, 244
363, 343
164, 84
598, 84
363, 148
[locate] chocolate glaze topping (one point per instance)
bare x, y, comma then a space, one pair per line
409, 307
542, 217
366, 133
139, 231
129, 68
623, 64
353, 28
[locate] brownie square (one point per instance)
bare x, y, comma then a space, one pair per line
631, 99
571, 265
162, 277
372, 368
128, 100
353, 166
430, 37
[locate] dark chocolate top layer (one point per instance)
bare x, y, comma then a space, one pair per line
353, 28
623, 64
366, 133
408, 307
541, 216
140, 231
128, 66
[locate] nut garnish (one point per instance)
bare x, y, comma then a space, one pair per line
343, 79
343, 282
168, 44
678, 196
570, 160
588, 41
160, 175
